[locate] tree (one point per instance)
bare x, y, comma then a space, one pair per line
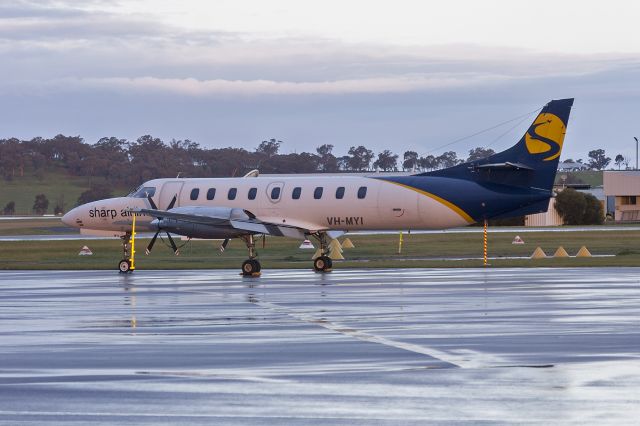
9, 208
360, 158
448, 159
387, 161
97, 191
327, 162
269, 148
479, 153
594, 213
428, 163
41, 204
577, 208
598, 160
410, 160
571, 205
619, 160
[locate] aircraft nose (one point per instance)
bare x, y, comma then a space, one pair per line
70, 217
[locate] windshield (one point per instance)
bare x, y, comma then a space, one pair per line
143, 192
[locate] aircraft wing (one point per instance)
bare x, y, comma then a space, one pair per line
224, 217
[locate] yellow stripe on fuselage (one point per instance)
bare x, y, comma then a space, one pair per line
441, 200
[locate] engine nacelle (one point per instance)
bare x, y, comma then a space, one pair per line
215, 222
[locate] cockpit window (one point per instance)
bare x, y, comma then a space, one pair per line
143, 192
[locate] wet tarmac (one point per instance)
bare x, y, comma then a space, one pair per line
393, 346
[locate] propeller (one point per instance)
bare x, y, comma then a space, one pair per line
224, 245
155, 236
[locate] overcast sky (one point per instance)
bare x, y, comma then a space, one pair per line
399, 75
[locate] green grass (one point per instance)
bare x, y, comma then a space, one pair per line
371, 251
589, 177
56, 185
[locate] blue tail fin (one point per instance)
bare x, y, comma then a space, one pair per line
531, 163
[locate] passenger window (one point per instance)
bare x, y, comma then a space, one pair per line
252, 193
275, 193
211, 194
362, 192
296, 193
232, 193
194, 193
340, 192
317, 194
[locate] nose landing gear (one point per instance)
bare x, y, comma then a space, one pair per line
129, 249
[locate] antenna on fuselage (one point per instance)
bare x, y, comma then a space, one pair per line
252, 173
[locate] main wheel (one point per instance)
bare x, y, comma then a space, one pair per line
124, 266
250, 267
322, 263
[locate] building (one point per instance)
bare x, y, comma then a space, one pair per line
622, 191
572, 166
549, 218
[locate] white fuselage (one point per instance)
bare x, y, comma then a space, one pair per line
384, 205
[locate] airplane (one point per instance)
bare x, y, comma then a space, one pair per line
515, 182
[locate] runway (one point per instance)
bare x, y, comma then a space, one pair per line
388, 346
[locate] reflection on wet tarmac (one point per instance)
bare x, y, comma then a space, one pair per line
357, 347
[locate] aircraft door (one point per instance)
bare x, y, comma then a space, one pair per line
274, 194
168, 191
398, 206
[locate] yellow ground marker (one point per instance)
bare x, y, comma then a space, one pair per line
347, 243
334, 245
561, 252
583, 252
538, 254
316, 255
336, 255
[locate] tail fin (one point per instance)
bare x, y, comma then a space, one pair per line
532, 162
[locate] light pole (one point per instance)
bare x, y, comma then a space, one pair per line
636, 152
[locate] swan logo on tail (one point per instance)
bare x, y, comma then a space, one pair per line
545, 136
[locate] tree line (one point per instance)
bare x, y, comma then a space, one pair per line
124, 162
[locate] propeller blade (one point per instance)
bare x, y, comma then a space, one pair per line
172, 203
224, 245
173, 244
151, 243
153, 205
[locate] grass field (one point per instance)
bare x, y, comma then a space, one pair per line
419, 250
56, 185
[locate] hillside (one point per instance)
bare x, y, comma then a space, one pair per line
57, 185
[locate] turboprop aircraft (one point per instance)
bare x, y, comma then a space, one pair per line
514, 182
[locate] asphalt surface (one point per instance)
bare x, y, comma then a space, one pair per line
351, 347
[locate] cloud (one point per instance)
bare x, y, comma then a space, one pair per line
206, 88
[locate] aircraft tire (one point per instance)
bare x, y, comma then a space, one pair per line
124, 266
250, 267
322, 263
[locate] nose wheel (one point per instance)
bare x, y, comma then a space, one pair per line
124, 266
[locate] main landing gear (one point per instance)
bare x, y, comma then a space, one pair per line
250, 267
322, 263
